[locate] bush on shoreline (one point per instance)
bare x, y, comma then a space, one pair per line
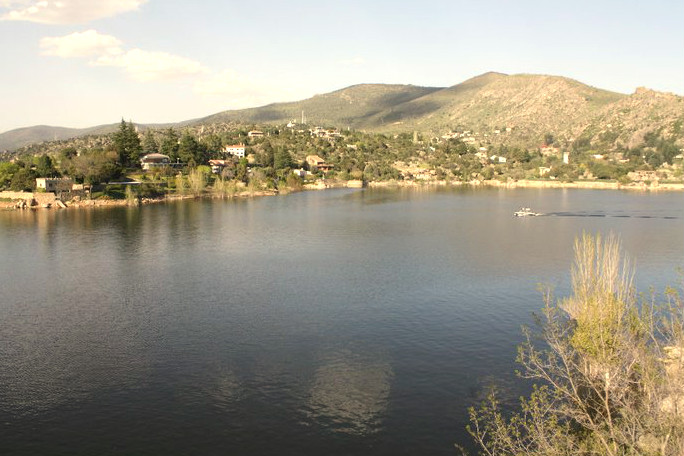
610, 368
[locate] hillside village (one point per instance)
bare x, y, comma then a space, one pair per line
133, 164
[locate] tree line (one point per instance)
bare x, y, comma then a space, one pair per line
353, 155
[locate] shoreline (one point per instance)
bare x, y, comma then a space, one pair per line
525, 183
330, 184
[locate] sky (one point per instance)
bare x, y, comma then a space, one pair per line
80, 63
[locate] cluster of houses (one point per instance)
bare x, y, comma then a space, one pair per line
151, 161
329, 133
470, 137
317, 132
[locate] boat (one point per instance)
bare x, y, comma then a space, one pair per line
526, 212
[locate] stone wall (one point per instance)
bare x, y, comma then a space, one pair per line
40, 198
44, 198
16, 195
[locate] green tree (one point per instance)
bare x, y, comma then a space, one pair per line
602, 170
189, 150
213, 143
7, 171
169, 144
267, 155
519, 155
67, 153
24, 180
45, 166
282, 159
94, 167
241, 170
611, 370
127, 144
149, 143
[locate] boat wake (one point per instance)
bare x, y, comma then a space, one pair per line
603, 214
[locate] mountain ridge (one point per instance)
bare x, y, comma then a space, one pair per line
529, 105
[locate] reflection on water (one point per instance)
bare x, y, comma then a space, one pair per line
337, 322
224, 389
350, 393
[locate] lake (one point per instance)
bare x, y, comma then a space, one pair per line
336, 322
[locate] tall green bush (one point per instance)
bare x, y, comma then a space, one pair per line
610, 370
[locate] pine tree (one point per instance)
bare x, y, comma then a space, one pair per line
169, 144
149, 144
189, 150
127, 144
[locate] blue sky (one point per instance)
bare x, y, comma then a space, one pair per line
80, 63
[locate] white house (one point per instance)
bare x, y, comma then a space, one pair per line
150, 161
49, 184
236, 150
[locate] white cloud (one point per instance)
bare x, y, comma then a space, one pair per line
107, 51
148, 66
81, 44
65, 11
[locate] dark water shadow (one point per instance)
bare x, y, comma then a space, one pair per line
595, 214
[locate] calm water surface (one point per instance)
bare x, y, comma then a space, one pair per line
337, 322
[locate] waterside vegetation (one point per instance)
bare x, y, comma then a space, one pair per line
609, 368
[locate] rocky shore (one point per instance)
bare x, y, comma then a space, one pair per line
25, 200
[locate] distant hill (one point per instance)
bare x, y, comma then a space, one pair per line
19, 137
354, 107
531, 106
